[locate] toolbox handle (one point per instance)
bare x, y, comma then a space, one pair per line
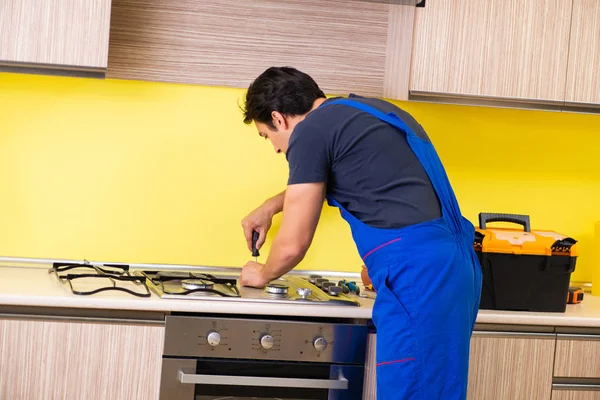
523, 220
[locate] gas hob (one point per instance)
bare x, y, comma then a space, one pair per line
289, 289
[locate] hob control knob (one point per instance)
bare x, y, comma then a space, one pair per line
213, 339
334, 290
267, 342
319, 281
320, 344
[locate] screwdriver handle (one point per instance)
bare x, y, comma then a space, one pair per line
255, 237
348, 287
343, 284
353, 287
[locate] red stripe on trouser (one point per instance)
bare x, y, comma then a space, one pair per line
381, 246
395, 361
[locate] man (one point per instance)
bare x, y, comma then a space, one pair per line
376, 163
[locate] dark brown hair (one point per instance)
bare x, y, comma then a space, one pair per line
283, 89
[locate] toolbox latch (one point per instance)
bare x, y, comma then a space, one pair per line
563, 245
478, 240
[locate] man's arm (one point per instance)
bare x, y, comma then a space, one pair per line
275, 203
302, 208
260, 219
301, 212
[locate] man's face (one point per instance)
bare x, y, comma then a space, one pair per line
280, 136
278, 140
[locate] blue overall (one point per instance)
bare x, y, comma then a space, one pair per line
428, 282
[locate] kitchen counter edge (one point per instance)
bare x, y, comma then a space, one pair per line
34, 288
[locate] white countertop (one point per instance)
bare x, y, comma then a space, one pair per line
33, 286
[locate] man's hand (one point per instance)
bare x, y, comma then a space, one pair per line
303, 204
260, 220
252, 275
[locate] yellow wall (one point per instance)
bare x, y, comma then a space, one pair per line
163, 173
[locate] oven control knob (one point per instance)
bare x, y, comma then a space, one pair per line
214, 339
267, 342
320, 344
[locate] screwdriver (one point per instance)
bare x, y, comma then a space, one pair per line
255, 252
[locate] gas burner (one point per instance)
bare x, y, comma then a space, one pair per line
197, 284
275, 288
182, 283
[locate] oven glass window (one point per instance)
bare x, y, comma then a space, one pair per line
286, 371
241, 398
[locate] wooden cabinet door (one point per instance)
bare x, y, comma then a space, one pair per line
66, 33
577, 356
370, 383
576, 394
501, 49
503, 365
583, 79
506, 365
63, 359
346, 46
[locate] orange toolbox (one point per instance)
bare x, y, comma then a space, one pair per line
523, 269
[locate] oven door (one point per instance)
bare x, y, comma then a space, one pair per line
210, 379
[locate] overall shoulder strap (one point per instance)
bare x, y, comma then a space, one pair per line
390, 118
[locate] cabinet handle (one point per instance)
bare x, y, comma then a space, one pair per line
523, 335
575, 336
225, 380
576, 386
74, 318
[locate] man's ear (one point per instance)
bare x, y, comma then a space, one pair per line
279, 120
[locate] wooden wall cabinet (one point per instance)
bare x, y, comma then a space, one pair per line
58, 34
346, 46
501, 49
47, 359
583, 79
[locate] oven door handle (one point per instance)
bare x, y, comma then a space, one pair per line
341, 383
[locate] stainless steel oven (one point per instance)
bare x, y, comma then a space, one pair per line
212, 358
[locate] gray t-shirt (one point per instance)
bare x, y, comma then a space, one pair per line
367, 164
